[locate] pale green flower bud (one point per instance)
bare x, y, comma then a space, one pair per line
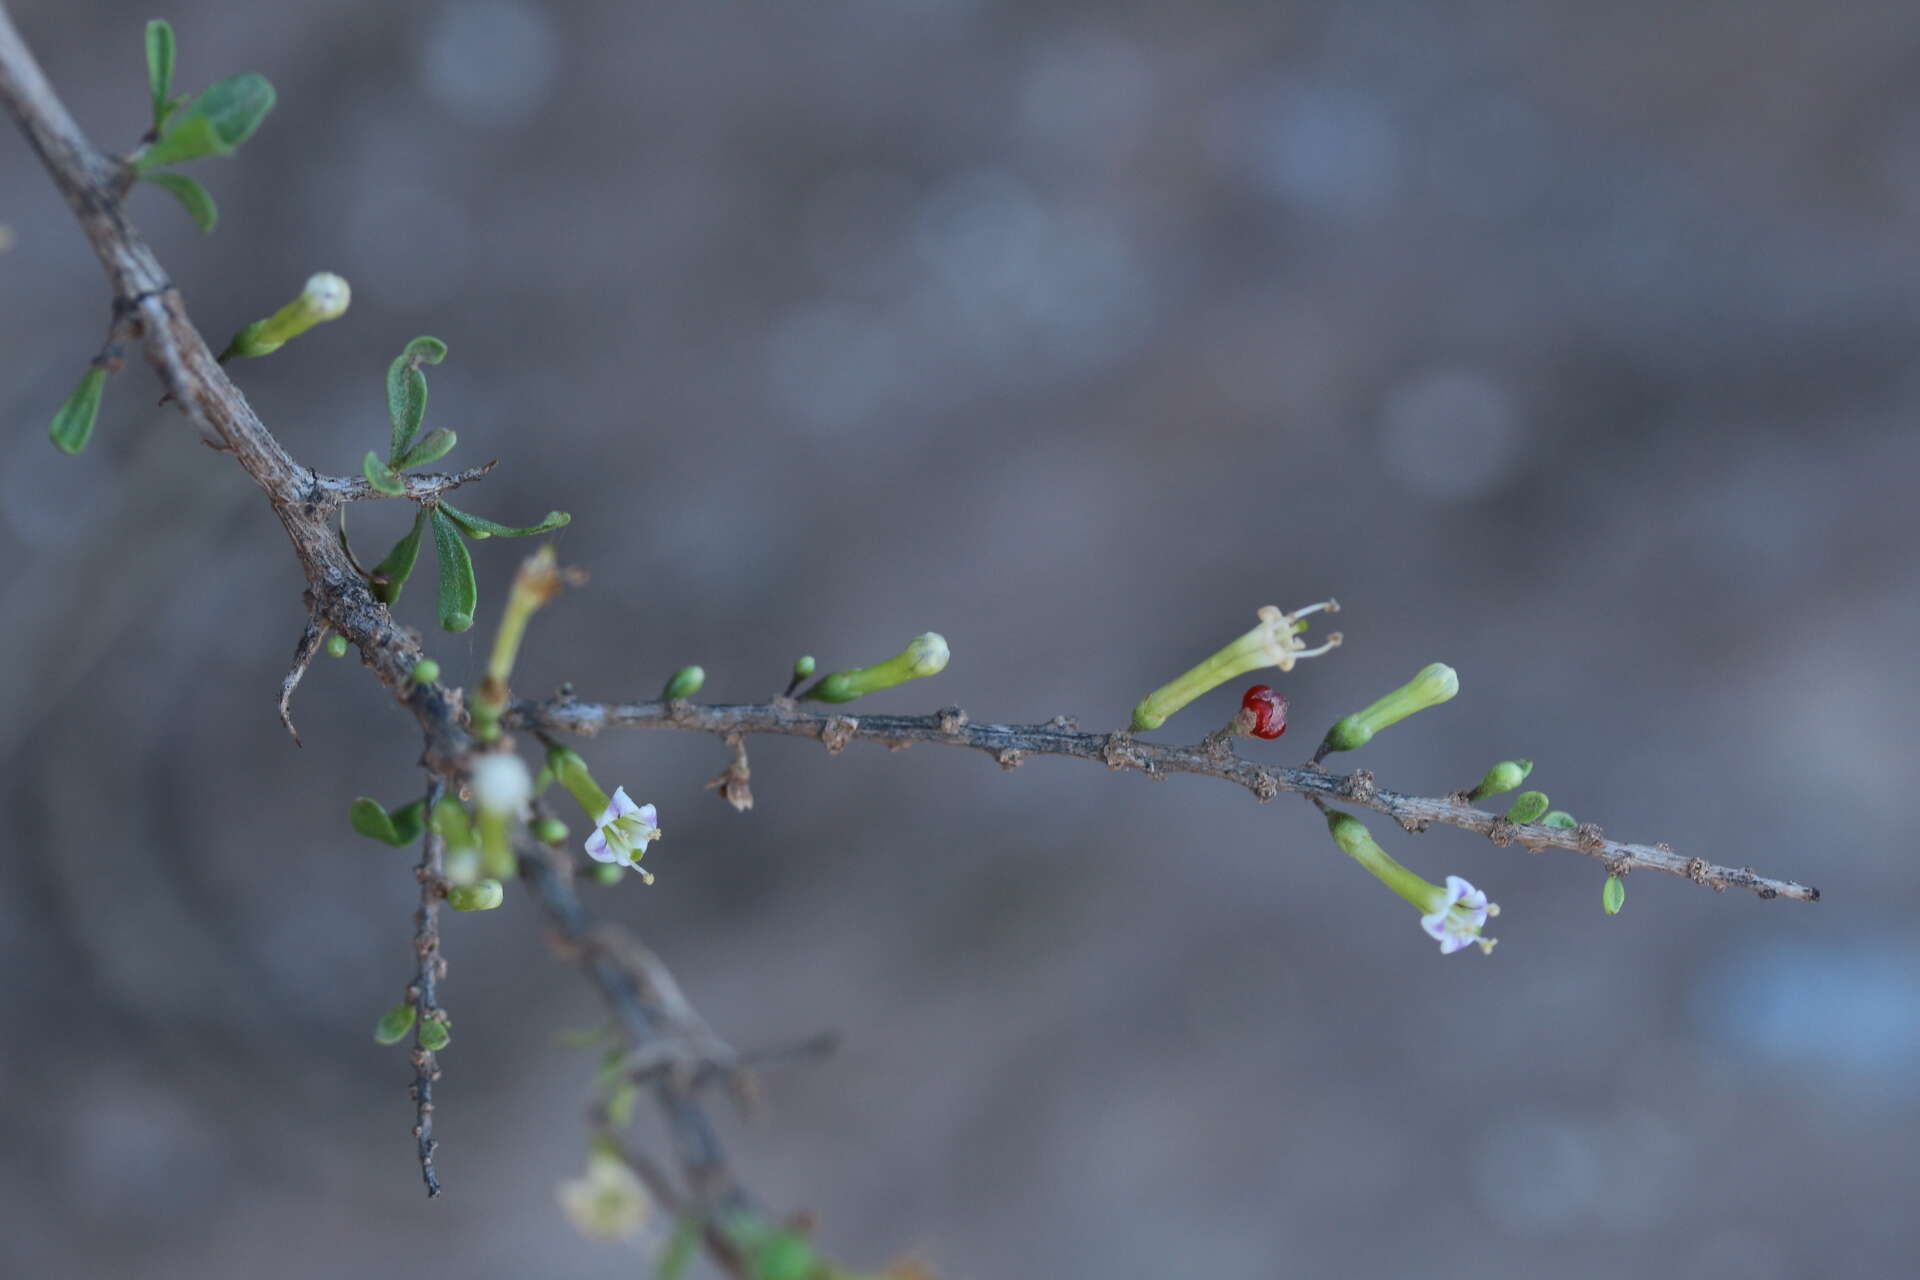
925, 655
1433, 686
325, 298
482, 895
1504, 776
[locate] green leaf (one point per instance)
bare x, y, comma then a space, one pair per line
407, 821
398, 566
370, 819
407, 392
434, 1036
425, 349
1613, 896
399, 828
192, 196
406, 404
160, 68
380, 476
395, 1023
1559, 818
224, 115
431, 447
481, 528
459, 594
72, 426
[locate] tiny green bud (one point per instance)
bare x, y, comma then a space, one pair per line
607, 873
571, 772
1528, 806
803, 666
482, 895
1613, 895
1434, 685
685, 683
325, 298
435, 1035
550, 830
1504, 776
426, 671
1274, 642
337, 645
395, 1023
1559, 818
925, 655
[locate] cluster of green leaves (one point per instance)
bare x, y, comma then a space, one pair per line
215, 123
1534, 806
407, 407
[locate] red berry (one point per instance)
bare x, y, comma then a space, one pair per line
1269, 710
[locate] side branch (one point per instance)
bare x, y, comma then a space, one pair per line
1215, 758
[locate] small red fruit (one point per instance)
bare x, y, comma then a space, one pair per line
1269, 710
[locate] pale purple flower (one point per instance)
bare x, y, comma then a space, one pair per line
623, 831
1459, 912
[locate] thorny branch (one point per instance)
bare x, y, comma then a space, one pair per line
658, 1026
424, 990
1215, 758
147, 308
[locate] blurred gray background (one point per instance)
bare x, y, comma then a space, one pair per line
1570, 344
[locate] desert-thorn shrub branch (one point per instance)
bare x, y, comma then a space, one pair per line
482, 819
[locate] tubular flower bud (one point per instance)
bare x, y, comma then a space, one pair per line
1275, 642
325, 298
1504, 776
1452, 915
1433, 686
925, 655
482, 895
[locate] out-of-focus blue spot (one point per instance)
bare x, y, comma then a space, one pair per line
1852, 1008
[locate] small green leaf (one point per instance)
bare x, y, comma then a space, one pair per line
434, 1035
431, 447
621, 1103
459, 594
395, 1023
425, 349
482, 528
370, 819
224, 115
160, 68
407, 821
192, 197
380, 476
399, 828
407, 391
1528, 806
406, 403
1613, 895
398, 566
1559, 818
72, 427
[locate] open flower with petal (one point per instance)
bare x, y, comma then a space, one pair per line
623, 831
1459, 912
608, 1202
1452, 916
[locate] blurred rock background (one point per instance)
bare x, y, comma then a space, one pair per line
1571, 344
